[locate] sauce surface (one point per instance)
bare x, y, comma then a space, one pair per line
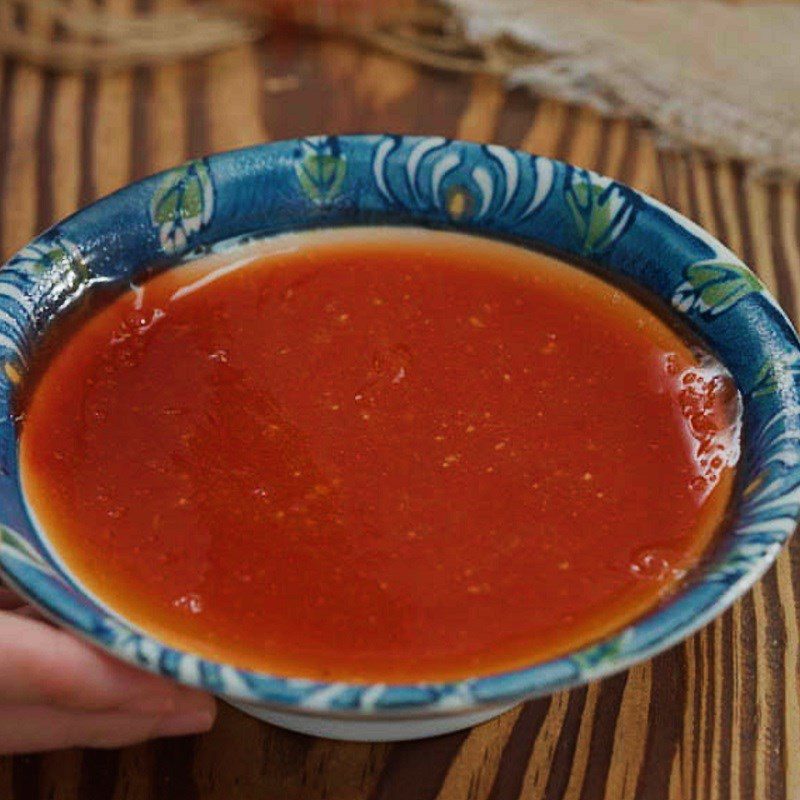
385, 455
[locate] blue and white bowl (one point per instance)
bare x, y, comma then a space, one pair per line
331, 181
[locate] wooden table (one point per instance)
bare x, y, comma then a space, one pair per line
716, 717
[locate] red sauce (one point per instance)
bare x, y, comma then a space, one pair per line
391, 455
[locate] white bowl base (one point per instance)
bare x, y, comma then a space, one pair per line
371, 730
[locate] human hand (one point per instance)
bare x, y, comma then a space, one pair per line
57, 691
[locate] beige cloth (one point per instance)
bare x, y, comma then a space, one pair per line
724, 77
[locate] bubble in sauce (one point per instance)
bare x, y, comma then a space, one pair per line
191, 602
655, 564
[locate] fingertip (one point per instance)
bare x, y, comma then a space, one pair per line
193, 700
202, 702
186, 723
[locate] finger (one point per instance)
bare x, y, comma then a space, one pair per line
41, 664
25, 729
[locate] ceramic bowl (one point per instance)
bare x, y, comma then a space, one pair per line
330, 181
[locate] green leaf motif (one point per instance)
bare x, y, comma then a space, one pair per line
600, 209
58, 256
182, 205
53, 256
775, 374
11, 543
715, 285
321, 168
594, 658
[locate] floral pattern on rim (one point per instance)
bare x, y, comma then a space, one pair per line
776, 374
182, 205
13, 545
601, 210
321, 168
714, 285
436, 178
51, 267
51, 253
591, 658
770, 498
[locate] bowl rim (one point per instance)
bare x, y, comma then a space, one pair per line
775, 438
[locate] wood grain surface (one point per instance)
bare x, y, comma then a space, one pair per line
717, 717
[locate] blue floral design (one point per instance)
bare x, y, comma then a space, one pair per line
321, 168
437, 178
182, 205
601, 210
714, 285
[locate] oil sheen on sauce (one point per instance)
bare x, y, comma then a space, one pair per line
384, 454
